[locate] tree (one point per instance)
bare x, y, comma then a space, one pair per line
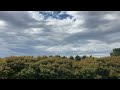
90, 56
71, 58
44, 57
64, 57
57, 56
51, 56
84, 57
77, 58
115, 52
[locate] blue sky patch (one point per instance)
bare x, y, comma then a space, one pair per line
55, 14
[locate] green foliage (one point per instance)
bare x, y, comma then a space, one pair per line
57, 56
57, 67
84, 57
115, 52
64, 57
71, 58
77, 58
6, 72
44, 57
90, 56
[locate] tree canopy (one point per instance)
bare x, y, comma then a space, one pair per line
115, 52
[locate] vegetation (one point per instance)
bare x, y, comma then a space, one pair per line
58, 67
115, 52
78, 58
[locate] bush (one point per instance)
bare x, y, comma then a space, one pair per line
26, 67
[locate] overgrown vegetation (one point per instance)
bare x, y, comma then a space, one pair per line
58, 67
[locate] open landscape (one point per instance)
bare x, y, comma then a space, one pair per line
59, 45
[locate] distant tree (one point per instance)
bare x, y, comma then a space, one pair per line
51, 56
64, 57
77, 58
90, 55
44, 57
57, 56
71, 58
84, 57
115, 52
39, 57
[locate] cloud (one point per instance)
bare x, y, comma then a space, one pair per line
65, 32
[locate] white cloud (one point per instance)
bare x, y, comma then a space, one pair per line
2, 23
33, 31
88, 32
110, 17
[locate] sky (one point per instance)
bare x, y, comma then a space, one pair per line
35, 33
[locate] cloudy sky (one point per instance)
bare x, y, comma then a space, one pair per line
59, 32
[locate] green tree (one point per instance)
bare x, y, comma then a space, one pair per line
115, 52
77, 58
64, 57
50, 56
57, 56
44, 57
71, 58
90, 56
84, 57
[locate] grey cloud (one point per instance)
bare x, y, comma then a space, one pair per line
21, 43
94, 19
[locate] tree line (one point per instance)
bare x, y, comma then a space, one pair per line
61, 67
